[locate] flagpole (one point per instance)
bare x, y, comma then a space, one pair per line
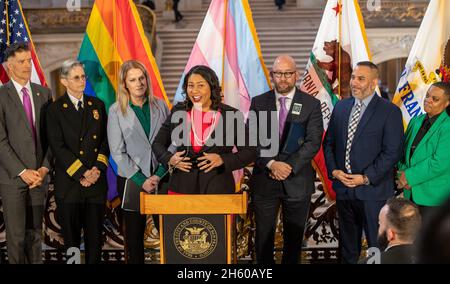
340, 47
7, 25
224, 49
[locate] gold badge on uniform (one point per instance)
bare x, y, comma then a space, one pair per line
96, 115
65, 105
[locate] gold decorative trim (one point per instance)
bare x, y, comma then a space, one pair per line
74, 167
103, 159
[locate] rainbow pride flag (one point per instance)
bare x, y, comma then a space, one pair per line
228, 43
114, 34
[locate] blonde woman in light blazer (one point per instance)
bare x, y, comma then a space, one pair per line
133, 122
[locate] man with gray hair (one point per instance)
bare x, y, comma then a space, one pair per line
24, 159
77, 137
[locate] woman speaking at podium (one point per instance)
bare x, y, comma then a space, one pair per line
204, 132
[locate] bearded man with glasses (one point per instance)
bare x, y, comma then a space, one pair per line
285, 179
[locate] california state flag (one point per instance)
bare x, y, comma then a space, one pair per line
341, 42
428, 61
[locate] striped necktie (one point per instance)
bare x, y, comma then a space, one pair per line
353, 124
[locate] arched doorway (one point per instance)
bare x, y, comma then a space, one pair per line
390, 72
57, 88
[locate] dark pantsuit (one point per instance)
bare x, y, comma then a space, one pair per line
354, 216
134, 225
23, 210
87, 215
133, 229
294, 214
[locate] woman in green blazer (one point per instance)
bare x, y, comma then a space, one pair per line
424, 171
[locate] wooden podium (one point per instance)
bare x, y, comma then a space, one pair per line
191, 235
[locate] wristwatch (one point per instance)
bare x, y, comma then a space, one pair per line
366, 180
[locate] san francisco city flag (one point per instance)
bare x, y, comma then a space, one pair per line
428, 61
114, 34
228, 43
340, 44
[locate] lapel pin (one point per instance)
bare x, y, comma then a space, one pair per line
89, 103
297, 108
65, 105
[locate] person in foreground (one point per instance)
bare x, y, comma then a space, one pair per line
400, 222
208, 130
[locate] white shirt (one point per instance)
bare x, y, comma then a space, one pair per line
75, 101
288, 102
19, 91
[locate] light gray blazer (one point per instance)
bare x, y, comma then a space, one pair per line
130, 147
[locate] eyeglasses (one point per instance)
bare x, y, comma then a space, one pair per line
78, 78
287, 75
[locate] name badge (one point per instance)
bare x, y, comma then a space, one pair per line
297, 108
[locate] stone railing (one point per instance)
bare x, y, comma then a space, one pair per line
59, 20
393, 14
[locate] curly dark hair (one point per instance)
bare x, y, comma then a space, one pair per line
211, 78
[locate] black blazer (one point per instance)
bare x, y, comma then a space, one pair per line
376, 148
78, 143
401, 254
219, 180
300, 184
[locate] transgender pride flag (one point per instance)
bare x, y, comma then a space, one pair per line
228, 43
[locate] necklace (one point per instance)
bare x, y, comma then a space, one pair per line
211, 128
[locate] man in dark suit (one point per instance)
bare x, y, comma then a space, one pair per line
361, 147
285, 179
400, 222
77, 137
24, 159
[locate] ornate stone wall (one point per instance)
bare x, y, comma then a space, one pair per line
386, 44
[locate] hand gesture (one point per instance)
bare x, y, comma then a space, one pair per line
209, 162
280, 170
43, 171
31, 177
151, 184
178, 161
